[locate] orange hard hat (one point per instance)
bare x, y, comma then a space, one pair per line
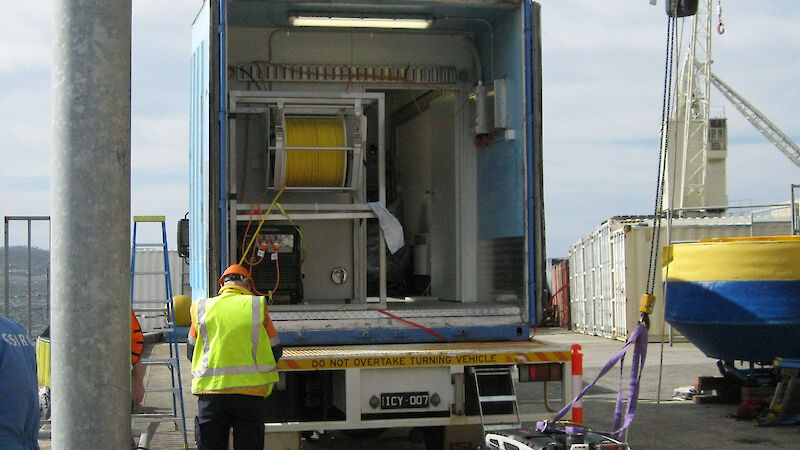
236, 269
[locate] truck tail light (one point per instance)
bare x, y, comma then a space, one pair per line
540, 372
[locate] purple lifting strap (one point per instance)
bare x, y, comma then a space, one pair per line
639, 339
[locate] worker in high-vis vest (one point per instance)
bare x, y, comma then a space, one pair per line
234, 350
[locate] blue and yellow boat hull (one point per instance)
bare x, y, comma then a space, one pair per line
737, 298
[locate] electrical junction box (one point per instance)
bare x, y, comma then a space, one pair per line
498, 104
490, 108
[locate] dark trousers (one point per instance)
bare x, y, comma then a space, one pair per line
217, 413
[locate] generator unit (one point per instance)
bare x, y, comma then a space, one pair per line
275, 260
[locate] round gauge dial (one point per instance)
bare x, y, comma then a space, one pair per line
339, 275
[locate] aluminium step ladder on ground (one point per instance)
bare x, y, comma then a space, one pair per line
776, 414
496, 394
159, 308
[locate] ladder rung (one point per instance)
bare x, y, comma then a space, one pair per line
163, 272
165, 389
492, 370
143, 310
158, 361
151, 301
149, 218
149, 244
154, 418
167, 330
497, 398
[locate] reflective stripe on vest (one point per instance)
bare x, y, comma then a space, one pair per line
256, 319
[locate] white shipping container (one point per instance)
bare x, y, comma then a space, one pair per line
576, 289
622, 249
588, 284
603, 303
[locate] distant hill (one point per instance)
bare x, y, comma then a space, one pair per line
18, 258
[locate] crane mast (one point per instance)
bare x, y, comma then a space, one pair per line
698, 143
697, 170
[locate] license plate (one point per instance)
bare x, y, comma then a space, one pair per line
404, 400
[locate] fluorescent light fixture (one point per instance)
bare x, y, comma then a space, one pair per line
359, 22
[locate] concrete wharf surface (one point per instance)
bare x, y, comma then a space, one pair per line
667, 424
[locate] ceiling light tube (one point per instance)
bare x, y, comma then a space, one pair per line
359, 22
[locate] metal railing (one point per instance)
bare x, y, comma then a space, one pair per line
29, 272
766, 210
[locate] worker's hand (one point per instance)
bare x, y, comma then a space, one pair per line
138, 392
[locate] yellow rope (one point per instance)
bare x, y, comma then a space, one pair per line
315, 168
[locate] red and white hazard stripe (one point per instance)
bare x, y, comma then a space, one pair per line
577, 383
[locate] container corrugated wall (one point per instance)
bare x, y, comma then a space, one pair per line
620, 327
595, 304
576, 292
152, 287
612, 263
603, 304
560, 288
588, 284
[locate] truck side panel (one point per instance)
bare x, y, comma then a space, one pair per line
199, 168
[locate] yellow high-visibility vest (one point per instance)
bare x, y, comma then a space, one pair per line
233, 347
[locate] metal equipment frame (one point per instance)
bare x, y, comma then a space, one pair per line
352, 103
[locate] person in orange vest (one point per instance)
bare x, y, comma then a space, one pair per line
137, 346
234, 350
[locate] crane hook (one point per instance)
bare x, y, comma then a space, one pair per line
720, 25
721, 28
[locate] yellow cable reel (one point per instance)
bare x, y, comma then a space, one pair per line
315, 168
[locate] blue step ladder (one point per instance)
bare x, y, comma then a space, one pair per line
158, 308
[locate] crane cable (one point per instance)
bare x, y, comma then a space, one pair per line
666, 106
648, 299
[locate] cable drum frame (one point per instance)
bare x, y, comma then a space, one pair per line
353, 172
301, 105
317, 105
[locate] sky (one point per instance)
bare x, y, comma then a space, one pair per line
603, 76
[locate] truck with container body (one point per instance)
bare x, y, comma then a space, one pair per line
377, 167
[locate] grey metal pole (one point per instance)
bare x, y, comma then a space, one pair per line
49, 278
90, 205
5, 263
30, 290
